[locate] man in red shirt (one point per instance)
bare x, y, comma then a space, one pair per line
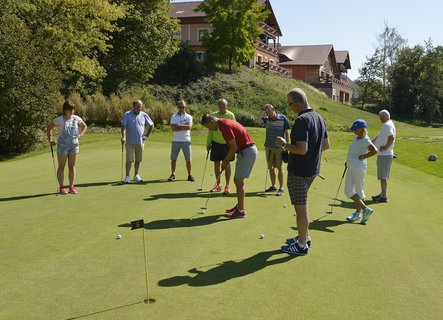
239, 141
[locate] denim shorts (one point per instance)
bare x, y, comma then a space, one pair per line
67, 148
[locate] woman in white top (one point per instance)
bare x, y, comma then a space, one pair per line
359, 150
70, 129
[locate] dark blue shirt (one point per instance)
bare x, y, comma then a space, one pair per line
308, 127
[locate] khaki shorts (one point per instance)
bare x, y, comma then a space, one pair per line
136, 149
273, 158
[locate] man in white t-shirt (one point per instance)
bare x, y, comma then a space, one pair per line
181, 124
384, 142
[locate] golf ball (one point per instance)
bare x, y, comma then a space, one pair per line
119, 236
203, 212
262, 236
284, 206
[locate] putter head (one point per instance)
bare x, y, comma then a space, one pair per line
203, 208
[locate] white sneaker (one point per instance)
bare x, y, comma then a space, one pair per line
137, 178
127, 179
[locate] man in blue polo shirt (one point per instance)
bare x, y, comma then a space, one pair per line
309, 138
133, 134
277, 125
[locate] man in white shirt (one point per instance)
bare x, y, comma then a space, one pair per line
181, 124
384, 142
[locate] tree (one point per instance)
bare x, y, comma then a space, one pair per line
72, 33
235, 24
390, 43
369, 80
182, 68
29, 84
406, 81
144, 39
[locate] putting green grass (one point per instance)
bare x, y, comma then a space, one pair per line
60, 258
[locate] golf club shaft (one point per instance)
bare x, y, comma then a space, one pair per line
339, 186
55, 171
210, 193
204, 170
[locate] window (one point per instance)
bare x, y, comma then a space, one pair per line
201, 33
259, 58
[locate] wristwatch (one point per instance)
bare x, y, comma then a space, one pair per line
283, 145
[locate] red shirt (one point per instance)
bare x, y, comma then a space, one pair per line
231, 129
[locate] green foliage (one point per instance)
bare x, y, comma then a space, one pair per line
235, 30
28, 85
73, 33
144, 39
417, 83
182, 68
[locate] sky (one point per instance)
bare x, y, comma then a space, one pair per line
355, 25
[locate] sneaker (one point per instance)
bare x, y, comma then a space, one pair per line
72, 190
171, 177
191, 178
271, 189
280, 192
63, 190
291, 241
231, 210
127, 179
226, 191
295, 249
236, 214
137, 178
354, 217
379, 198
366, 214
217, 188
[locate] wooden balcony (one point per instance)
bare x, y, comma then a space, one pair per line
269, 30
267, 48
266, 66
328, 80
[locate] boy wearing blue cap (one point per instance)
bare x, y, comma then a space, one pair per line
359, 150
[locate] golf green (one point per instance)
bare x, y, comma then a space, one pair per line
60, 258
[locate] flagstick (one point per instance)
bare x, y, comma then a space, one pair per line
147, 300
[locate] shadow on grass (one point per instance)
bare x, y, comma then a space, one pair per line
200, 194
103, 311
142, 183
181, 223
81, 185
227, 270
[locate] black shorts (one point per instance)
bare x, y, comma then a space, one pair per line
218, 151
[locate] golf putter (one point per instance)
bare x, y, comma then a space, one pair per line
339, 186
55, 172
204, 171
210, 194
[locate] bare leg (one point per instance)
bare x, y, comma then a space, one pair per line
188, 167
217, 170
173, 166
61, 158
280, 177
136, 167
239, 184
358, 202
228, 174
128, 168
72, 158
302, 223
272, 175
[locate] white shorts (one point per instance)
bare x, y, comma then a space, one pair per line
355, 182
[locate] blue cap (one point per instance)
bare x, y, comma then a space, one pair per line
359, 123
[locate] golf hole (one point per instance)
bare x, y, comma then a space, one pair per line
149, 301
